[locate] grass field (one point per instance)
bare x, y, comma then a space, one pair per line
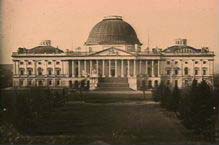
113, 124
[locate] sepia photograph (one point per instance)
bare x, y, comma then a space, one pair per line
109, 72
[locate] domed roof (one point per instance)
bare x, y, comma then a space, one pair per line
112, 30
44, 49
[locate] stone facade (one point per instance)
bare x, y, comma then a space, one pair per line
48, 66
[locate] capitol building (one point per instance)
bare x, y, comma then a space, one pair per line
112, 58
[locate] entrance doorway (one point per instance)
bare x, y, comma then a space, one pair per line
112, 72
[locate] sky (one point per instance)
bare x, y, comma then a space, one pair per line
67, 23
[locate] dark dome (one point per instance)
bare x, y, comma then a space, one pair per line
44, 49
112, 30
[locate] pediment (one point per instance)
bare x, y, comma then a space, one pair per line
112, 51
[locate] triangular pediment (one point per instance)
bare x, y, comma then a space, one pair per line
112, 51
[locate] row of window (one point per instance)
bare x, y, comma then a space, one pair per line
40, 71
186, 62
29, 62
186, 71
39, 83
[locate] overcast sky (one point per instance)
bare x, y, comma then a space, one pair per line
67, 23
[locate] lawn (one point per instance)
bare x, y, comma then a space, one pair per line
113, 124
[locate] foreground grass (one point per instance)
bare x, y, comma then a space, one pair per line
113, 124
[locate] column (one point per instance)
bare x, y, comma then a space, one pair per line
79, 68
109, 68
128, 68
152, 68
116, 68
103, 68
140, 67
182, 70
97, 67
25, 67
158, 68
14, 67
73, 68
85, 66
134, 73
63, 67
46, 67
146, 67
122, 68
90, 67
54, 66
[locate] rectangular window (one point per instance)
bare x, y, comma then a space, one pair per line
22, 72
176, 72
168, 72
50, 72
196, 72
176, 82
29, 82
57, 72
29, 72
58, 82
204, 72
50, 83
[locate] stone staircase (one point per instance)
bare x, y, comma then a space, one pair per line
113, 84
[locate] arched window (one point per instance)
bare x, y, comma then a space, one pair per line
186, 71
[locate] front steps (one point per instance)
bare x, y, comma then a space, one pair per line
113, 84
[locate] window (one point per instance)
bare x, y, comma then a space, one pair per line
29, 72
90, 49
186, 62
168, 62
21, 71
49, 62
176, 71
204, 62
50, 82
57, 72
176, 62
49, 71
21, 62
204, 71
196, 62
39, 62
21, 83
156, 83
57, 62
29, 82
40, 71
176, 83
29, 63
186, 71
186, 82
40, 83
149, 84
196, 72
58, 82
168, 72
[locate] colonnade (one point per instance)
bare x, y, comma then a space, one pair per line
114, 68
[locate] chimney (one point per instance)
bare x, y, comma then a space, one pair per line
181, 42
45, 43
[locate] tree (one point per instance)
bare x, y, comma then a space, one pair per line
197, 110
174, 99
